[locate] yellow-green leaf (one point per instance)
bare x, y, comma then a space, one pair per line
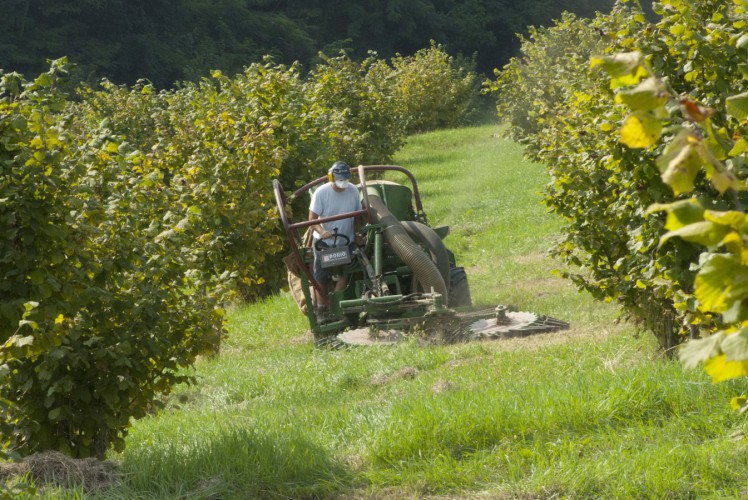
721, 178
696, 351
648, 95
705, 233
737, 106
732, 218
739, 148
720, 369
618, 65
735, 345
640, 130
680, 213
722, 280
681, 170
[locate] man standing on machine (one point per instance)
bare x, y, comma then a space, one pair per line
336, 197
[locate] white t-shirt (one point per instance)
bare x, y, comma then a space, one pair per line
326, 202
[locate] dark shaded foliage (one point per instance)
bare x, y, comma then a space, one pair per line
166, 42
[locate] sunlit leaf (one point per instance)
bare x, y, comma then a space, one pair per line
735, 345
720, 369
618, 65
697, 351
648, 95
737, 106
682, 169
705, 233
736, 313
640, 130
680, 213
721, 178
732, 218
721, 281
739, 148
24, 341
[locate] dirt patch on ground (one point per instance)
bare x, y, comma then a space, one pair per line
443, 386
52, 468
531, 258
305, 338
406, 372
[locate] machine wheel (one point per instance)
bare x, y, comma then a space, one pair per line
459, 290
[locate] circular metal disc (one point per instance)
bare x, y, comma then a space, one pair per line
370, 337
515, 324
513, 321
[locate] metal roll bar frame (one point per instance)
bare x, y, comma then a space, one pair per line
292, 229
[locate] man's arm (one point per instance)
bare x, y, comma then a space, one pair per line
318, 227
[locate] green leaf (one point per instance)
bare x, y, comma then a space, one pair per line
32, 324
743, 67
705, 233
681, 170
737, 106
618, 65
735, 345
737, 313
721, 179
697, 351
739, 148
680, 213
647, 96
721, 281
640, 130
733, 218
24, 341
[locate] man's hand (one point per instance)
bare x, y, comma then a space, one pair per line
360, 239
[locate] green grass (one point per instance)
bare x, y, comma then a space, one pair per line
595, 411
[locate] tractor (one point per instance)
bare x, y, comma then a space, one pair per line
403, 281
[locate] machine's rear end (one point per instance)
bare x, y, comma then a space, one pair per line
402, 281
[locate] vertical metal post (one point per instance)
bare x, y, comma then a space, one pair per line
378, 253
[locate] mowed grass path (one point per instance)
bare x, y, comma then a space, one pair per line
590, 412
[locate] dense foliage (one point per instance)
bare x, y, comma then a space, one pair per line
166, 41
611, 174
436, 91
132, 215
100, 308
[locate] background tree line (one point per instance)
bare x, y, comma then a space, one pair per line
168, 41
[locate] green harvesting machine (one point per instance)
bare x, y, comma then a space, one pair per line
404, 280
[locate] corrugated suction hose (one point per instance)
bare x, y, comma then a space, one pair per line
423, 234
409, 252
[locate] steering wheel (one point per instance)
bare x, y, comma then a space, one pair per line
320, 244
